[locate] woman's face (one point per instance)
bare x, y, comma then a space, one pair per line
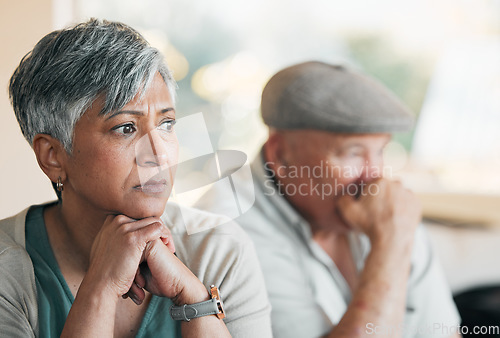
124, 163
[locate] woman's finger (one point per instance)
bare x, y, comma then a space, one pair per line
169, 243
139, 279
136, 294
148, 233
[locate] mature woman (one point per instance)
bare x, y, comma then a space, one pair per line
96, 103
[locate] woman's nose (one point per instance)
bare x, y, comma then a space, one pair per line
152, 150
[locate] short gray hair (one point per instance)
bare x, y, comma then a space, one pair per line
69, 69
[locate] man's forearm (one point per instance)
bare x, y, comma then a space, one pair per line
381, 293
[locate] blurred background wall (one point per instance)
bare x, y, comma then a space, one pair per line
22, 24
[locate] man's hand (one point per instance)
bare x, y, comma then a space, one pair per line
389, 218
390, 213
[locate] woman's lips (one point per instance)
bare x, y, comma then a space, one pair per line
153, 187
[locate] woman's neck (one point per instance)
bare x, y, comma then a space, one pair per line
71, 234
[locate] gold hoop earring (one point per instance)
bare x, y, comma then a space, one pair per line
59, 184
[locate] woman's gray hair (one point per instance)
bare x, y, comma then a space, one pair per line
69, 69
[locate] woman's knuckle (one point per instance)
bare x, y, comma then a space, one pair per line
121, 219
130, 238
126, 228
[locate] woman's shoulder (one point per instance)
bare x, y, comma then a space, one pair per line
15, 226
12, 227
10, 249
18, 302
15, 262
16, 269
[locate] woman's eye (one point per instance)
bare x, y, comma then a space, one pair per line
167, 126
125, 129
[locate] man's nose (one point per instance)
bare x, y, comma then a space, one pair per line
152, 150
373, 169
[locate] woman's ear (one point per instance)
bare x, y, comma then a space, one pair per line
50, 155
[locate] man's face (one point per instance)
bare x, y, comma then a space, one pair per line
318, 167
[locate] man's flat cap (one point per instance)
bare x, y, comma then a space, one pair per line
316, 95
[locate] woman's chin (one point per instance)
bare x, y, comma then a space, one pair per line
147, 208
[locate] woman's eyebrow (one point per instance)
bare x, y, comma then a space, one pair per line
137, 112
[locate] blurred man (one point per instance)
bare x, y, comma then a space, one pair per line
339, 243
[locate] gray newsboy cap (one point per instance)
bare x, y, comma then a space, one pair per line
316, 95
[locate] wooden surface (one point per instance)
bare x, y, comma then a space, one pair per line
467, 209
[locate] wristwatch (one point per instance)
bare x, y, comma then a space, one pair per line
186, 312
